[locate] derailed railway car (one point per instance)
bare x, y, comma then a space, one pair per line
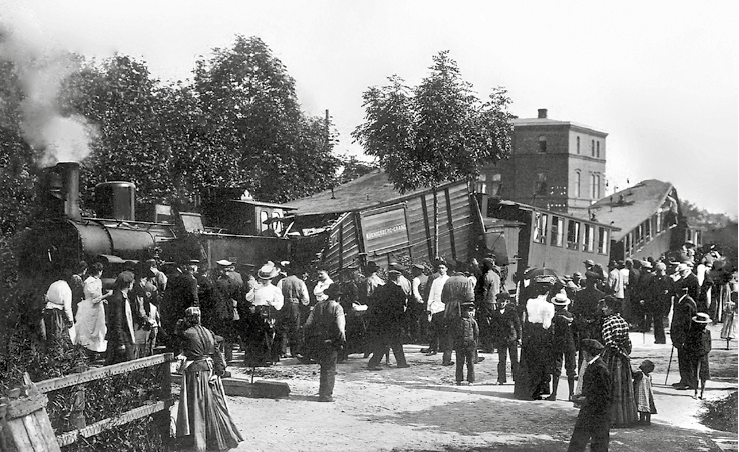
535, 237
367, 220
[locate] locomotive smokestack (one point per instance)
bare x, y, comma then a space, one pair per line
60, 186
70, 173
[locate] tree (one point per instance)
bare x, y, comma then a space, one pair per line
251, 107
436, 132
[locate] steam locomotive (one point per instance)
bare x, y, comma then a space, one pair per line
64, 237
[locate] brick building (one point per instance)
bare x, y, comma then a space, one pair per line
555, 165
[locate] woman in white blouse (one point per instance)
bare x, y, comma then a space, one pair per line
90, 325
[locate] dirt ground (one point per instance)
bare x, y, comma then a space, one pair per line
420, 409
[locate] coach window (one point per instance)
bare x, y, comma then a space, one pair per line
277, 225
602, 240
495, 185
263, 216
542, 143
648, 229
558, 231
540, 230
573, 234
589, 238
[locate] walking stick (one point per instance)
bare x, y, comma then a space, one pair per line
669, 363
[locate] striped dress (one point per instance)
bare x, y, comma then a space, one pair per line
616, 356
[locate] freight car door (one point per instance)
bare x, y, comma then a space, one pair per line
384, 230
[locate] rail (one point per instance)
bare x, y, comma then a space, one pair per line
24, 419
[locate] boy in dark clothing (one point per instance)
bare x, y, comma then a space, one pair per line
465, 342
594, 421
563, 345
697, 346
506, 329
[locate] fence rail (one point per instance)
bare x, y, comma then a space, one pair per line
24, 419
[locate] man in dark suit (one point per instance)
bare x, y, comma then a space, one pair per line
386, 319
119, 315
683, 312
587, 324
594, 422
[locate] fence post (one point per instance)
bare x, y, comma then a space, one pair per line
163, 418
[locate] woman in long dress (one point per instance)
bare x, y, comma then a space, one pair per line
616, 356
202, 413
90, 325
532, 378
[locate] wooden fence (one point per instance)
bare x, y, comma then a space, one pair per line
24, 420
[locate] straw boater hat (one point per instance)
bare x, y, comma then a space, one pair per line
646, 264
267, 272
224, 263
701, 317
547, 279
560, 300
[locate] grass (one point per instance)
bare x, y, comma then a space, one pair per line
721, 414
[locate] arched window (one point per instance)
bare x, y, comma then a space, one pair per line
577, 184
597, 149
578, 145
542, 143
592, 186
592, 148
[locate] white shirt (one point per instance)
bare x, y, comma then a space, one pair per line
93, 288
268, 295
320, 287
59, 296
539, 310
435, 304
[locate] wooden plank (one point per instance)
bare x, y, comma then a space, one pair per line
107, 424
102, 372
47, 433
429, 240
34, 435
19, 434
450, 223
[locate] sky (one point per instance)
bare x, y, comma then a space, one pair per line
660, 77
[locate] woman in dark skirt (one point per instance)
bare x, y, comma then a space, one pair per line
202, 413
616, 356
532, 378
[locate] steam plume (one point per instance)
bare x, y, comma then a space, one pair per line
42, 67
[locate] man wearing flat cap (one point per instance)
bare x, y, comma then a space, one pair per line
593, 422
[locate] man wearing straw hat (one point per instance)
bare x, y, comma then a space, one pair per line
697, 347
563, 345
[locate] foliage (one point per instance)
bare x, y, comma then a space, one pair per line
435, 132
353, 168
251, 109
721, 414
698, 216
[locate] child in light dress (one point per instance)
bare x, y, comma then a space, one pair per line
643, 392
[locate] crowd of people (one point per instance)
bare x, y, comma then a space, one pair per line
279, 310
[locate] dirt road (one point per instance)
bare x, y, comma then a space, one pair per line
420, 409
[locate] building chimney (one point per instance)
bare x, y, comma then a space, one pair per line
542, 113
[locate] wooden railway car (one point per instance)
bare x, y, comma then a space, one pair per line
534, 237
367, 220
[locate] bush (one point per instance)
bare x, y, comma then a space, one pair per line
721, 414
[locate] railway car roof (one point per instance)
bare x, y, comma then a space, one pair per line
640, 202
370, 190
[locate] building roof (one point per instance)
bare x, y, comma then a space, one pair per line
370, 190
523, 122
640, 202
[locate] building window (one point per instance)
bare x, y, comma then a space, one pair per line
592, 148
542, 143
577, 184
558, 231
597, 149
540, 186
578, 145
495, 185
540, 229
602, 240
573, 234
597, 186
592, 186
